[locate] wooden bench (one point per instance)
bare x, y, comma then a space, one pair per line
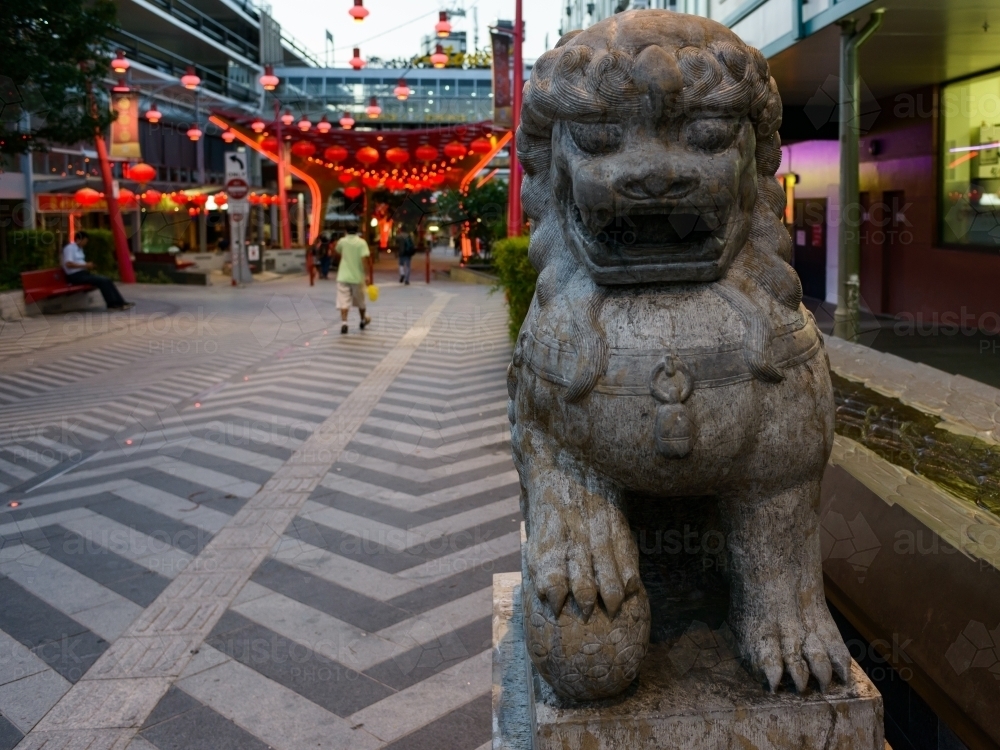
168, 259
48, 283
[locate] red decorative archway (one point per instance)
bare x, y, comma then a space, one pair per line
371, 159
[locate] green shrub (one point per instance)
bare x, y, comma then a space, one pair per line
516, 276
28, 250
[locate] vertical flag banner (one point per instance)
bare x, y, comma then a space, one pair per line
125, 128
503, 100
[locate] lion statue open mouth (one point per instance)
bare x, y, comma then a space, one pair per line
667, 368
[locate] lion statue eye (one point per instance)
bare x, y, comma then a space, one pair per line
596, 138
711, 133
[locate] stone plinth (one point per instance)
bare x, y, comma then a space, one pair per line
691, 694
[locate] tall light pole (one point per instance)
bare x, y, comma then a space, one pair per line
846, 318
286, 229
514, 200
200, 162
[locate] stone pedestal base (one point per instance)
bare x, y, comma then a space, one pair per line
690, 695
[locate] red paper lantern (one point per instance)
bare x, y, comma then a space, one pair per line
258, 125
367, 156
228, 136
454, 150
442, 28
397, 155
303, 149
193, 212
265, 200
180, 199
253, 199
440, 58
324, 125
86, 196
357, 62
344, 177
480, 146
427, 153
269, 80
199, 200
371, 181
142, 173
359, 12
221, 199
352, 192
126, 197
335, 153
270, 144
190, 79
152, 197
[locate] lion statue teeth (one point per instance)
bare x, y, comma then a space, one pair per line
666, 364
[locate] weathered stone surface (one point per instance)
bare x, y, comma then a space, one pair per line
692, 695
667, 369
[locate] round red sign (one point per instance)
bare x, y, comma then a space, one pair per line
237, 189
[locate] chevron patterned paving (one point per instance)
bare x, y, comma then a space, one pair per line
126, 447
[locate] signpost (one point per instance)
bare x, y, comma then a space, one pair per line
237, 188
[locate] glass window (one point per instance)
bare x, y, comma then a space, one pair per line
314, 86
466, 89
448, 87
295, 84
484, 89
970, 162
428, 87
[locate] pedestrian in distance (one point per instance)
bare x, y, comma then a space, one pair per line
353, 251
78, 271
406, 249
324, 257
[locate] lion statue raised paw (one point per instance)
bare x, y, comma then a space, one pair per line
666, 361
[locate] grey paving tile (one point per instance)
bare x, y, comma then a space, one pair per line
410, 486
366, 551
121, 575
465, 728
327, 683
419, 663
194, 726
337, 601
27, 509
456, 585
60, 641
225, 466
9, 734
190, 539
428, 441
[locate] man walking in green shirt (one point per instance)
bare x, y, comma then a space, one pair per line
351, 278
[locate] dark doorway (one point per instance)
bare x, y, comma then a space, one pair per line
809, 245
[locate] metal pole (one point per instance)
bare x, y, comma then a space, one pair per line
28, 170
200, 151
514, 200
846, 318
286, 228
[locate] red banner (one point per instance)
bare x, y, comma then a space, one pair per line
503, 99
125, 129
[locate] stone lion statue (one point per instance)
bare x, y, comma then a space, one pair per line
666, 361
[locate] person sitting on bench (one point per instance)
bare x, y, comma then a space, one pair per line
78, 271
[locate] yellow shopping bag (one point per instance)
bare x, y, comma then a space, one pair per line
372, 292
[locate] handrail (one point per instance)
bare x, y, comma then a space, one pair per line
196, 19
305, 53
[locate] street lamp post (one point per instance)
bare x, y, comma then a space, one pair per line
200, 156
514, 199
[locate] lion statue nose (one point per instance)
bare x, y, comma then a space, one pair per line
656, 185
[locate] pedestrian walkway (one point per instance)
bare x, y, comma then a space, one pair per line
225, 525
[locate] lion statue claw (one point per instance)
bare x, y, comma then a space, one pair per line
666, 362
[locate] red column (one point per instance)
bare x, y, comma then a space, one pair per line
286, 227
514, 204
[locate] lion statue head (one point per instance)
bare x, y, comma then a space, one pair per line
650, 144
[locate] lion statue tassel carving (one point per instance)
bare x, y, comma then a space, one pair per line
666, 363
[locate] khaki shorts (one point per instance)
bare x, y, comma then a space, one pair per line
350, 294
